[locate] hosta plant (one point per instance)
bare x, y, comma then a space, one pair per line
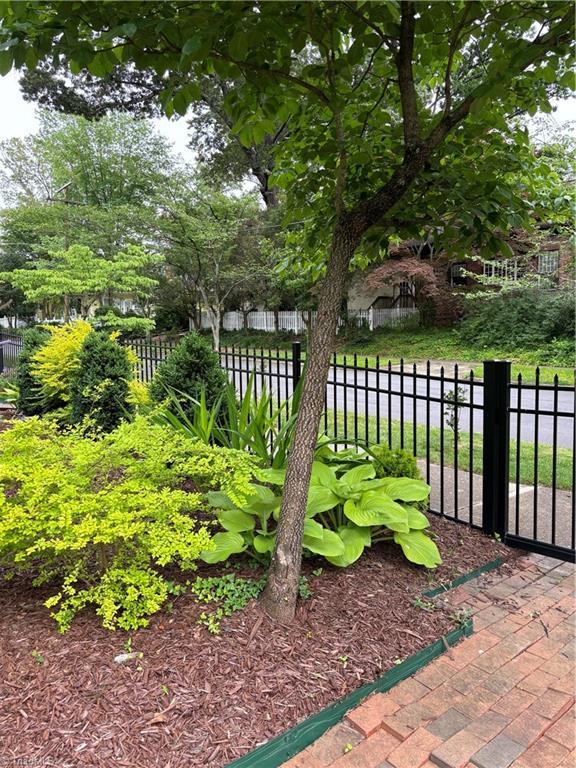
348, 510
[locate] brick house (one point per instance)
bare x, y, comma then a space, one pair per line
551, 260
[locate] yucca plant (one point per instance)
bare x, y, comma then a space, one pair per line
253, 423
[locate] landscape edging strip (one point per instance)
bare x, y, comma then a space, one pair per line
281, 748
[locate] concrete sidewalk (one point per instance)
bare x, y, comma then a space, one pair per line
502, 698
469, 487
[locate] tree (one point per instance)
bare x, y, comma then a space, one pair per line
379, 136
78, 273
77, 182
211, 244
124, 89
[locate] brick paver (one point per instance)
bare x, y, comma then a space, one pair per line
503, 698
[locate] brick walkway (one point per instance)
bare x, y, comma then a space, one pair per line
503, 697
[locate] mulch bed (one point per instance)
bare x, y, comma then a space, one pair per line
199, 700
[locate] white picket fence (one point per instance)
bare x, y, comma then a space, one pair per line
297, 321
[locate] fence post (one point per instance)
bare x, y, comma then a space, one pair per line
496, 447
296, 363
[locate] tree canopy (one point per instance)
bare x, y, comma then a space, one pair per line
399, 119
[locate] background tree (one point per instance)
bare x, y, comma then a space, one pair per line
367, 153
220, 151
78, 182
79, 274
211, 243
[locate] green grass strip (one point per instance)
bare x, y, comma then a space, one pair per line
363, 430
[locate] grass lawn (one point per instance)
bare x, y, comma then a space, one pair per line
564, 456
417, 345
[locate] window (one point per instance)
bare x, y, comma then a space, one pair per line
457, 274
507, 269
548, 262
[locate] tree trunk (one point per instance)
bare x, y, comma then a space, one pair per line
216, 320
279, 598
66, 309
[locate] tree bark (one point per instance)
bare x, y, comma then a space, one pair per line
279, 598
215, 322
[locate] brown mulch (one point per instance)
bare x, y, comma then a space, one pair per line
195, 699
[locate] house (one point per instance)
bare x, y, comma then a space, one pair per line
417, 276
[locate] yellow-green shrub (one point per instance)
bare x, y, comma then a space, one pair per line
54, 364
102, 517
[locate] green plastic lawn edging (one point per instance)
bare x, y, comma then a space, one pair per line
492, 565
291, 742
278, 750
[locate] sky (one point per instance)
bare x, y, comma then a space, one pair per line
18, 117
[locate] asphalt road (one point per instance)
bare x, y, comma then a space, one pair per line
359, 390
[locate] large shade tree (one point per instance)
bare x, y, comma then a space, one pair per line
396, 112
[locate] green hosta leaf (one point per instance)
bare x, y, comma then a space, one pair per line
355, 539
272, 476
220, 500
330, 545
323, 475
377, 509
364, 517
264, 542
235, 520
416, 519
406, 488
320, 499
364, 471
419, 548
225, 545
262, 501
313, 529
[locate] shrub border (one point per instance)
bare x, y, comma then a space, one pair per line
281, 748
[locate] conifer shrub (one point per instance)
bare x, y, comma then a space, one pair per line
55, 363
30, 401
192, 368
100, 386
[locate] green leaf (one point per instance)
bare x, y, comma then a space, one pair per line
5, 62
220, 500
330, 545
225, 545
235, 520
419, 548
262, 501
320, 500
416, 519
191, 45
355, 539
264, 542
323, 475
313, 529
356, 475
406, 488
272, 476
377, 509
238, 46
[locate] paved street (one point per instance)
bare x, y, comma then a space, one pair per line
369, 393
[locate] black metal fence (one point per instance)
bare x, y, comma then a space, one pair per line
499, 454
10, 348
